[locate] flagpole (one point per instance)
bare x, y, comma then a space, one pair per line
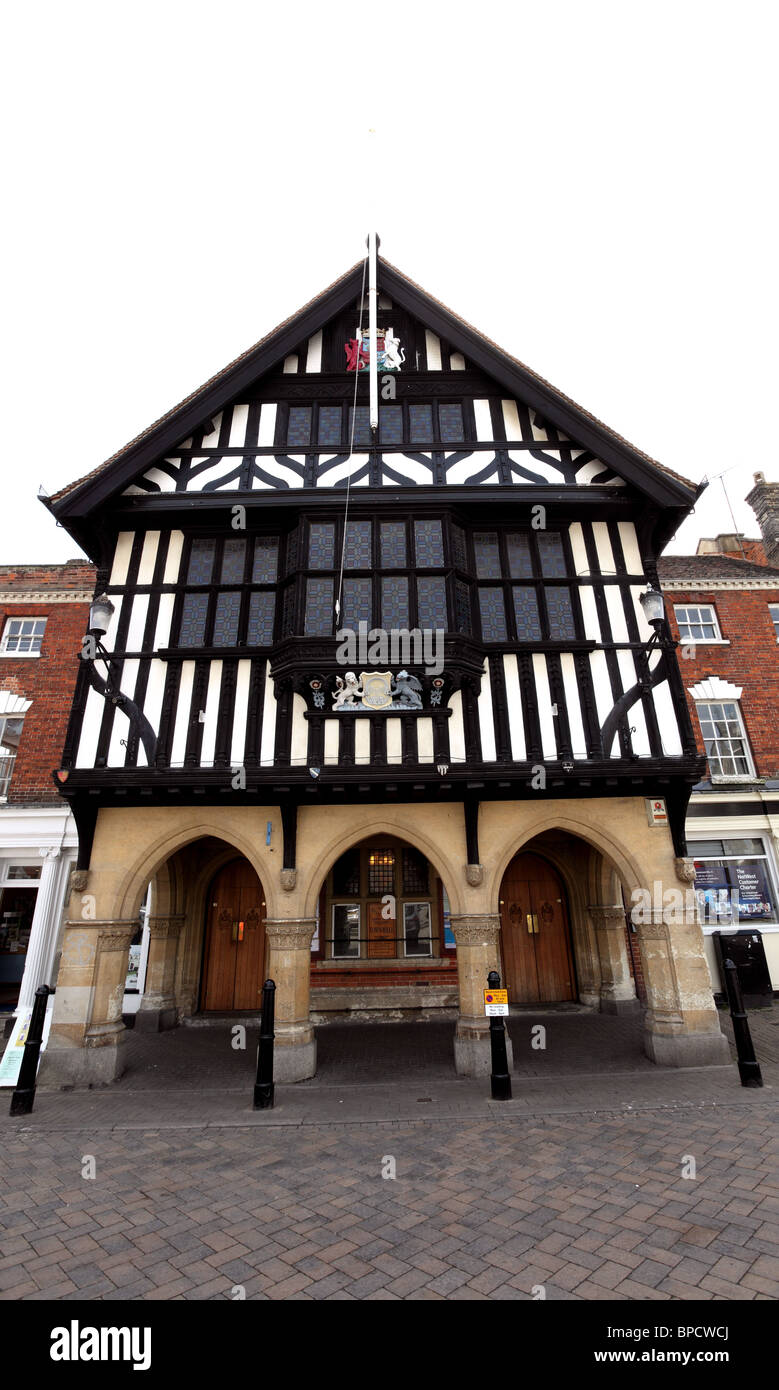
372, 319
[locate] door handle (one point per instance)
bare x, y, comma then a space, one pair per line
238, 931
532, 923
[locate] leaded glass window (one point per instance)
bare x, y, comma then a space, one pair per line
520, 562
393, 545
391, 424
266, 561
381, 872
194, 612
319, 608
420, 418
487, 551
431, 602
262, 607
288, 611
201, 561
394, 602
358, 554
346, 874
458, 547
493, 614
357, 602
429, 544
299, 426
560, 610
415, 872
360, 421
293, 546
526, 613
321, 546
552, 555
462, 607
233, 558
228, 611
329, 427
450, 422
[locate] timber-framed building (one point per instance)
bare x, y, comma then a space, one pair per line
377, 836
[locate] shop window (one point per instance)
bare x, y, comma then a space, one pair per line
733, 882
18, 894
22, 636
773, 610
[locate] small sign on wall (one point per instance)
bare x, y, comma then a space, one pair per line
656, 812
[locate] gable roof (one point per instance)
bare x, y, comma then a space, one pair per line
661, 483
703, 569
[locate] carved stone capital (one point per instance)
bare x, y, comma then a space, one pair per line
288, 879
685, 870
115, 935
290, 933
606, 918
653, 926
474, 874
79, 878
164, 926
476, 930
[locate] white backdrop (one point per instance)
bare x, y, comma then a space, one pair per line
590, 184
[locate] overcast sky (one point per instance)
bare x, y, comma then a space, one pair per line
591, 184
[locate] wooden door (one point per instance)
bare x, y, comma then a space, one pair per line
381, 934
235, 940
537, 956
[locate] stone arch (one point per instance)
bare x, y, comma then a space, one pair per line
343, 840
618, 858
150, 865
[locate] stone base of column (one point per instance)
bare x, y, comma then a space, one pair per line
62, 1068
631, 1005
687, 1049
472, 1052
294, 1053
155, 1018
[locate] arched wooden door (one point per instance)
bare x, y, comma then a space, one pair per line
235, 940
535, 938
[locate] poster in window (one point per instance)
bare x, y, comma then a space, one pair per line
416, 929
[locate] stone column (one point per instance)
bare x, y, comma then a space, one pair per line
478, 952
87, 1038
681, 1023
158, 1006
45, 928
289, 967
617, 991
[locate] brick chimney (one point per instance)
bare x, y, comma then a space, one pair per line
764, 501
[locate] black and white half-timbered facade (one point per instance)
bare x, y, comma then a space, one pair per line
378, 709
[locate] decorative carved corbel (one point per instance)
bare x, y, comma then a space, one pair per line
288, 878
474, 874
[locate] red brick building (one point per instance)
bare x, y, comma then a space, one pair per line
43, 616
723, 608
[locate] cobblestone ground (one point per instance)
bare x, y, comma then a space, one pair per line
577, 1185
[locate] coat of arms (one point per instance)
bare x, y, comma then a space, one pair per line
390, 355
377, 690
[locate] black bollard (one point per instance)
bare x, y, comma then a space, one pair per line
748, 1065
263, 1086
500, 1081
23, 1097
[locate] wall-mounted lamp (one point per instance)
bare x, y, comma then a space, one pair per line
654, 608
101, 611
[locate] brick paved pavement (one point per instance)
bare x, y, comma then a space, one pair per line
575, 1185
